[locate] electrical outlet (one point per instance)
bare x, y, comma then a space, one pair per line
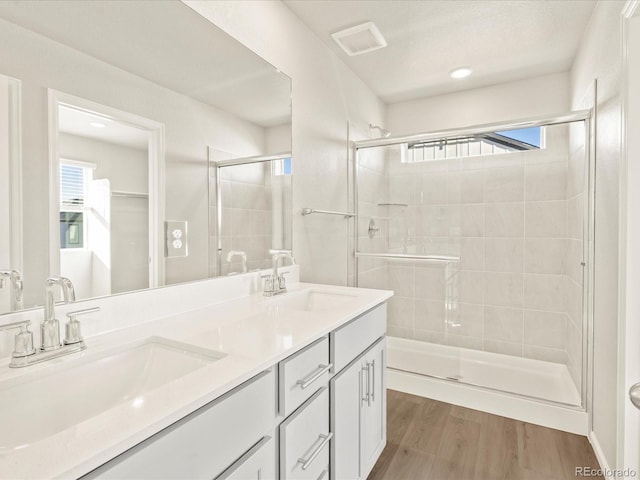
176, 239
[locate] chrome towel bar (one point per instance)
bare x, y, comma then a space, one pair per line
405, 256
309, 211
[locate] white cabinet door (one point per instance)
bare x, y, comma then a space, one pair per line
346, 400
373, 424
359, 415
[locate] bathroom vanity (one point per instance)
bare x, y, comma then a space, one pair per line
290, 387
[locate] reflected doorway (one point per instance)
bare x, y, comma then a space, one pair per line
105, 163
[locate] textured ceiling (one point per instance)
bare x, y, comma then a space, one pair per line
502, 40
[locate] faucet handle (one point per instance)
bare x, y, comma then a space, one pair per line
23, 346
72, 329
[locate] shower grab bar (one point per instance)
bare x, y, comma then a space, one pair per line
404, 256
309, 211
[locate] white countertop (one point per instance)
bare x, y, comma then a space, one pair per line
254, 332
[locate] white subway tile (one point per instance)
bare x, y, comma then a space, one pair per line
546, 182
503, 255
503, 324
545, 292
546, 219
503, 289
545, 329
504, 219
545, 255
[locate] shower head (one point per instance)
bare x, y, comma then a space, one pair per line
383, 132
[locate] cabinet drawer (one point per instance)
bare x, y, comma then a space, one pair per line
259, 463
304, 440
355, 337
302, 374
206, 442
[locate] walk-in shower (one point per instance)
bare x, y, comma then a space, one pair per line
482, 234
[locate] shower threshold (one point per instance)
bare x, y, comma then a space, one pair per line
532, 379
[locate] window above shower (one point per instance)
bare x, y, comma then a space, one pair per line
489, 143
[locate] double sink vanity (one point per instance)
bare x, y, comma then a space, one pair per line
290, 386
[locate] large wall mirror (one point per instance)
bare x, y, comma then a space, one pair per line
109, 114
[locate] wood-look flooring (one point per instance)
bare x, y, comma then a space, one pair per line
431, 440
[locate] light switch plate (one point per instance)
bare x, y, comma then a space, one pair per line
176, 239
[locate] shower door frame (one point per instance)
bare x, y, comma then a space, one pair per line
587, 116
216, 165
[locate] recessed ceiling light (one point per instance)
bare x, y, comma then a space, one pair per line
460, 72
97, 124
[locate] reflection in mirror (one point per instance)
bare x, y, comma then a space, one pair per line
200, 86
11, 297
251, 202
106, 167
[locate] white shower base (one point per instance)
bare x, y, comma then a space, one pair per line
529, 390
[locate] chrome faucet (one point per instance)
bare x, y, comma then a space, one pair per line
24, 354
16, 285
275, 283
242, 255
50, 326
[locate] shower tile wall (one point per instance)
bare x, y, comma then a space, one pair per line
506, 217
246, 217
373, 188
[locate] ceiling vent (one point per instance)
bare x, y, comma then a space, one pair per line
360, 39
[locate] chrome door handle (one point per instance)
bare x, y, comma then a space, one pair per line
373, 380
322, 369
325, 440
365, 372
634, 395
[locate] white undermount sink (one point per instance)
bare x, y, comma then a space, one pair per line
38, 405
315, 300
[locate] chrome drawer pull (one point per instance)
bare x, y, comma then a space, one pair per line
324, 473
322, 369
325, 441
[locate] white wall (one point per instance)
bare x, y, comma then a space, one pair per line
326, 95
545, 95
599, 57
629, 253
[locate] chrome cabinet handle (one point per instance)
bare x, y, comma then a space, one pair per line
325, 441
322, 369
369, 394
373, 381
324, 473
366, 395
243, 459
